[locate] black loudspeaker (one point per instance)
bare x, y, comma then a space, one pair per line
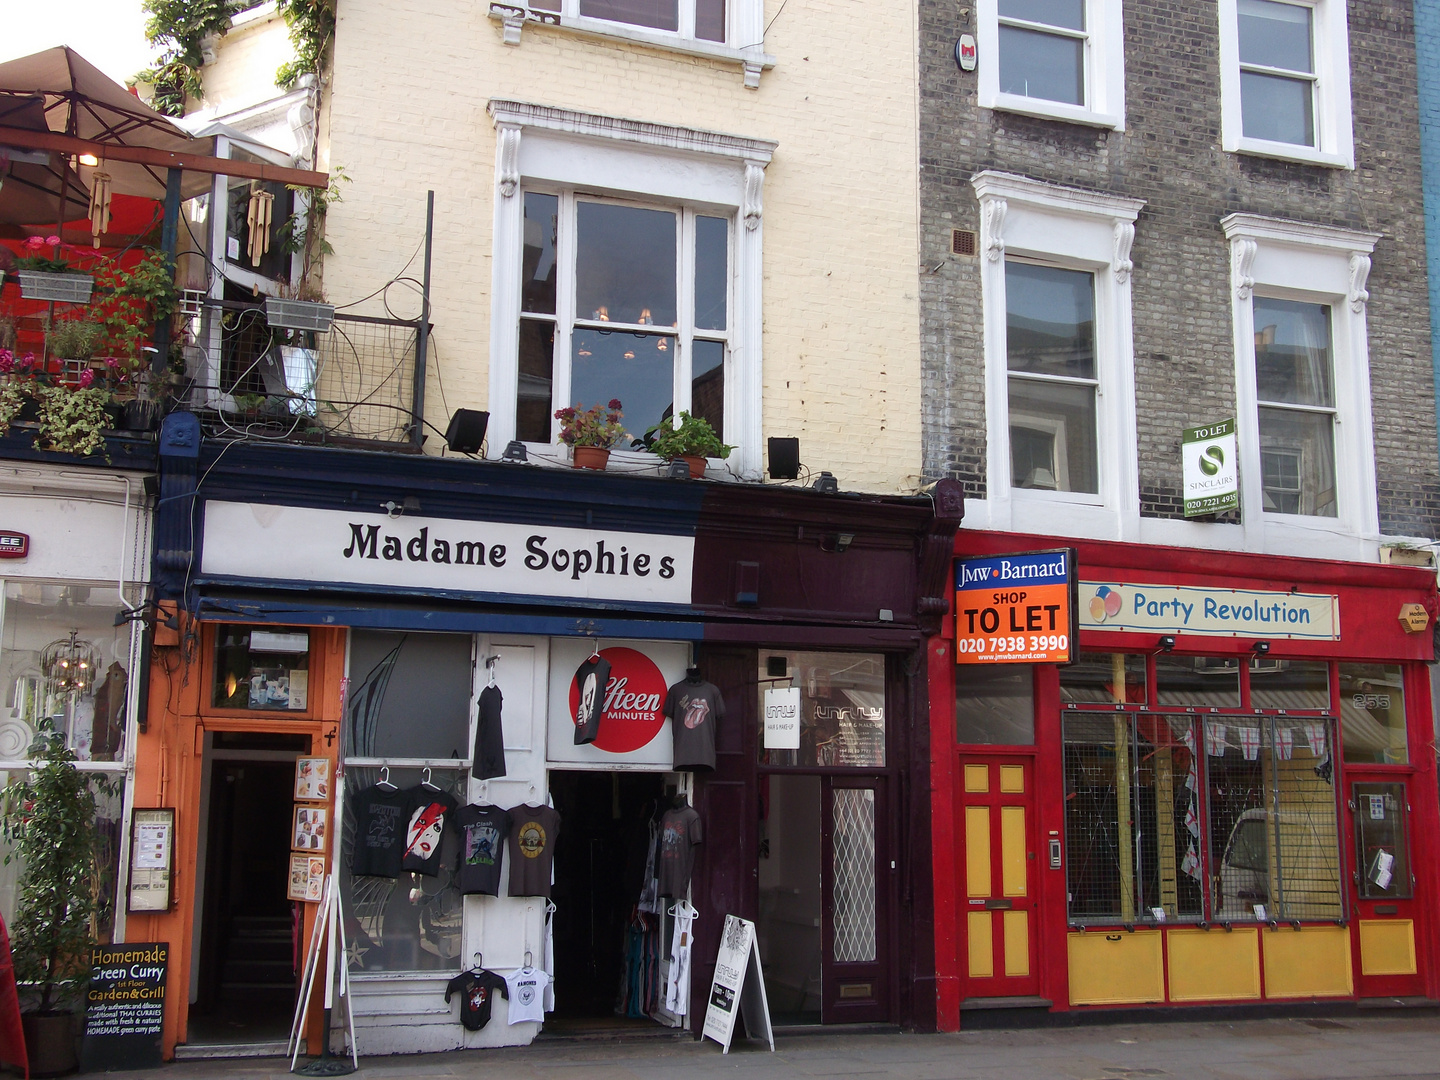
784, 459
466, 431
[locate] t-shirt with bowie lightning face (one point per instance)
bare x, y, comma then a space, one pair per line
483, 830
430, 816
380, 814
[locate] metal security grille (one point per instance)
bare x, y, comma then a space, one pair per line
854, 874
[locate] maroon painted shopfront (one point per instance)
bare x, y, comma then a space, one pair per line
1228, 799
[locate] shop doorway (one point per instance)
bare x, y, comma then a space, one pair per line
1383, 887
244, 981
996, 829
824, 924
610, 956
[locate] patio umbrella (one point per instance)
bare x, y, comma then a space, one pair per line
31, 180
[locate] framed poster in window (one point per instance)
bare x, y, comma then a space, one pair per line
311, 828
152, 859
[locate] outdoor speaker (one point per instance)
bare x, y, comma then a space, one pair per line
466, 431
784, 459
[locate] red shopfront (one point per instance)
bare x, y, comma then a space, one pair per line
1228, 798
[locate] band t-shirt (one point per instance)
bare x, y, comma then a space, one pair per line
430, 816
680, 832
477, 994
531, 843
489, 736
592, 677
694, 708
380, 814
527, 994
482, 842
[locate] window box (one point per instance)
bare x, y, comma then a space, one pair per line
61, 288
298, 314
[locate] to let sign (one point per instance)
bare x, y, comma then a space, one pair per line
1016, 609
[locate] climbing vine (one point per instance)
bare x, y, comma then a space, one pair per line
179, 27
312, 30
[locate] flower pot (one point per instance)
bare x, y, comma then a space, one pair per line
140, 415
697, 464
63, 288
589, 457
50, 1042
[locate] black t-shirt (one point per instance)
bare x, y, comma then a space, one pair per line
694, 708
380, 815
477, 993
430, 816
489, 736
680, 832
483, 830
592, 675
533, 830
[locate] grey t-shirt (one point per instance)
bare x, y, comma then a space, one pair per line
694, 708
531, 844
680, 832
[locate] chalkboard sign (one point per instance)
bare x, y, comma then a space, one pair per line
125, 1006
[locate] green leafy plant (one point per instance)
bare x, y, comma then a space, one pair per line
71, 420
74, 339
693, 437
180, 27
13, 396
49, 821
303, 232
54, 263
599, 425
312, 30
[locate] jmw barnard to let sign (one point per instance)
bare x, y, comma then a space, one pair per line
1016, 609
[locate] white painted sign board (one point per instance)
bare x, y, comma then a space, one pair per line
738, 987
782, 718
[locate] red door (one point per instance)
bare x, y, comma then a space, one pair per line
1384, 886
996, 830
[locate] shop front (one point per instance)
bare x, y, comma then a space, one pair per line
519, 714
1225, 797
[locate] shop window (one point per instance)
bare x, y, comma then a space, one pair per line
1382, 851
1198, 681
995, 705
409, 696
62, 657
842, 707
1372, 714
1273, 839
1131, 819
1292, 685
262, 669
1104, 679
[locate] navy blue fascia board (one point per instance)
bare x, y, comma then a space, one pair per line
129, 452
458, 488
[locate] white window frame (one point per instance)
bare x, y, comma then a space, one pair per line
540, 148
1104, 59
1292, 260
744, 31
1079, 230
1334, 134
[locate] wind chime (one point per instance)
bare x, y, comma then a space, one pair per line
258, 218
99, 205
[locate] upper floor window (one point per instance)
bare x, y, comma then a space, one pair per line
1295, 396
1285, 79
1057, 58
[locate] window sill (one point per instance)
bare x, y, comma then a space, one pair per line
627, 462
1289, 152
514, 17
1054, 110
1068, 498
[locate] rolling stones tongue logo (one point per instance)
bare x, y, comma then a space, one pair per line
634, 702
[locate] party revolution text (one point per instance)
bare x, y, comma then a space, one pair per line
367, 542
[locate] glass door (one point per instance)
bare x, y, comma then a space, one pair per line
855, 863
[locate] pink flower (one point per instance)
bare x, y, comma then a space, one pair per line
27, 361
53, 241
34, 243
7, 361
86, 378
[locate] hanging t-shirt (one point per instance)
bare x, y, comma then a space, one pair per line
527, 994
489, 736
592, 676
429, 818
680, 831
477, 994
694, 706
482, 842
380, 814
531, 843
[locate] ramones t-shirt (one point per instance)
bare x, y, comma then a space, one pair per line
429, 818
527, 994
533, 830
482, 843
694, 708
380, 815
591, 676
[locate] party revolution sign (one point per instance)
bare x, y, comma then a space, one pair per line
1015, 609
1184, 609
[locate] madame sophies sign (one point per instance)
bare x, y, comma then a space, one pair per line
290, 543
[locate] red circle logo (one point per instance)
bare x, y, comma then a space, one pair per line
634, 702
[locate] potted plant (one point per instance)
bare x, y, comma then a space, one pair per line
50, 277
590, 433
72, 419
73, 342
692, 440
49, 822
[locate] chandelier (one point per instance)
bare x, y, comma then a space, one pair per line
69, 665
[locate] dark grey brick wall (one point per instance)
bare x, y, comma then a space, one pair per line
1170, 156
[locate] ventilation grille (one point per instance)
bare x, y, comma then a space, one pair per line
962, 242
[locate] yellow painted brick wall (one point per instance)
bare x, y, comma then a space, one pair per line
841, 321
243, 73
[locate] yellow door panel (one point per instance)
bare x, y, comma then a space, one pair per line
977, 778
982, 945
1012, 850
1116, 968
1017, 943
977, 851
1313, 962
1211, 965
1012, 779
1387, 947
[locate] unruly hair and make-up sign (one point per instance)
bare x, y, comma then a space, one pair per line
290, 543
1186, 609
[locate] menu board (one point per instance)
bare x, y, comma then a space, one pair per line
152, 855
125, 1006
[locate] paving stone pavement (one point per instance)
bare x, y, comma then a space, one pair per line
1352, 1048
